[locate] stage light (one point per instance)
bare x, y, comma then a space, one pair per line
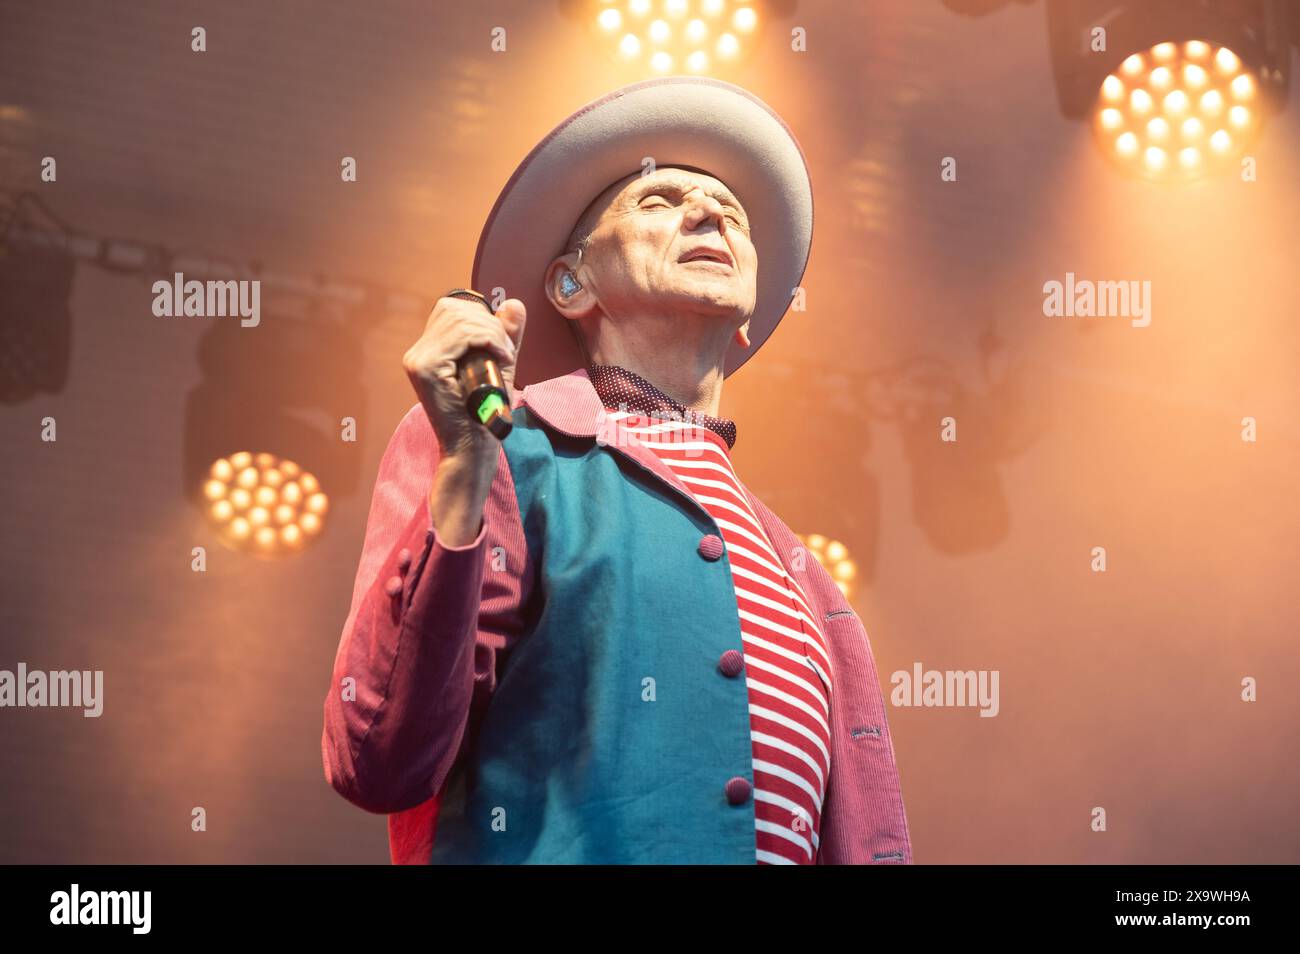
263, 504
834, 556
1176, 77
262, 441
1162, 95
289, 383
663, 35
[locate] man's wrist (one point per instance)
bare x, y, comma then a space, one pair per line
467, 470
461, 485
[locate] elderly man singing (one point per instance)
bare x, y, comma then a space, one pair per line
589, 642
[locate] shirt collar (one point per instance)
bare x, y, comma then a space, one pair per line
621, 389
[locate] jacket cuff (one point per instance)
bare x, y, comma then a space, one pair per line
434, 538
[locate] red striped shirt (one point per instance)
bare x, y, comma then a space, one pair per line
787, 666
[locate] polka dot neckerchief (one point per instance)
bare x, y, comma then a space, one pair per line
621, 389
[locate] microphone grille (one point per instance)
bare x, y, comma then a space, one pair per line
468, 294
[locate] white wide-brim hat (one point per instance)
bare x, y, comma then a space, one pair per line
703, 123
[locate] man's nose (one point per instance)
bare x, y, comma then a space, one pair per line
704, 207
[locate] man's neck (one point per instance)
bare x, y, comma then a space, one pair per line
688, 370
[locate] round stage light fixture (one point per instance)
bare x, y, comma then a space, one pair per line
263, 504
1177, 111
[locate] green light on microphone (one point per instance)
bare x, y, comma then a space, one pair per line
491, 404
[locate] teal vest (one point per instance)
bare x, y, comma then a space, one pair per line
612, 733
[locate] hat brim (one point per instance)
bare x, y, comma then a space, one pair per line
676, 121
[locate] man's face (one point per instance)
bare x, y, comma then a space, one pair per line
672, 240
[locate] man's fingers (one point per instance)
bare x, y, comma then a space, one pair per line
456, 326
499, 344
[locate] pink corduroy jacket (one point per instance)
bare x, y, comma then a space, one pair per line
419, 649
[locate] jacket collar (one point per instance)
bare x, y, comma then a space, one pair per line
568, 404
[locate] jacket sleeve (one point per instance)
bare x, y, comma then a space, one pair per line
426, 625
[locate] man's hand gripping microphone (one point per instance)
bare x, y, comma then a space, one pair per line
486, 399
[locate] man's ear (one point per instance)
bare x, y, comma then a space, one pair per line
577, 305
742, 335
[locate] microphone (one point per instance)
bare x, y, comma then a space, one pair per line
486, 398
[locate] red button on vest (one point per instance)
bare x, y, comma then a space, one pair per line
738, 790
711, 546
731, 663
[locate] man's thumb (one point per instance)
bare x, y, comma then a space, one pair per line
514, 315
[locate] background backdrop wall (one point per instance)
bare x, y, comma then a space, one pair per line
924, 298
